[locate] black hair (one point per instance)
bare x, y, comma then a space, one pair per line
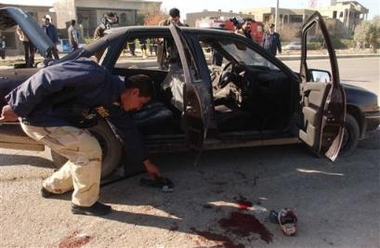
142, 82
248, 19
174, 12
73, 22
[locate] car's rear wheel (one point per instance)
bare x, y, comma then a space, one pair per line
111, 148
350, 137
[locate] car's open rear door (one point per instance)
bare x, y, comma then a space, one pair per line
196, 91
323, 103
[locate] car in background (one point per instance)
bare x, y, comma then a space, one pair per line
248, 98
294, 45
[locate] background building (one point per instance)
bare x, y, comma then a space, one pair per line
341, 17
88, 14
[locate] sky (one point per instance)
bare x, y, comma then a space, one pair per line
187, 6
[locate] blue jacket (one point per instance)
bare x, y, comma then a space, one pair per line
86, 83
272, 42
51, 31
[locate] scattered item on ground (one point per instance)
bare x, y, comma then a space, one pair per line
273, 217
287, 221
165, 184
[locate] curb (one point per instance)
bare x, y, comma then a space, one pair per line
325, 56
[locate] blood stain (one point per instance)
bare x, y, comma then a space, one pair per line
74, 240
243, 224
218, 238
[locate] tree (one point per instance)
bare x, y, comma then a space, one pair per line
150, 14
368, 33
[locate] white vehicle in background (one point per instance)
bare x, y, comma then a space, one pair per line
294, 45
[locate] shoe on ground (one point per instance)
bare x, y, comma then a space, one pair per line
97, 209
47, 194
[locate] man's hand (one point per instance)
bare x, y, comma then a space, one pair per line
151, 168
7, 114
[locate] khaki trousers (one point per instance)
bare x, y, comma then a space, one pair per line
82, 170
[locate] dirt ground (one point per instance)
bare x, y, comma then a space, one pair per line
222, 202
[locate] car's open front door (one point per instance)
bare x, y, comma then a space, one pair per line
323, 100
196, 91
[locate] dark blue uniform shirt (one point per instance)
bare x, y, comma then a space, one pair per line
81, 82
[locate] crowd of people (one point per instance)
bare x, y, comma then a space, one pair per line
271, 40
29, 49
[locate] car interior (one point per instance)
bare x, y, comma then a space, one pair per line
249, 93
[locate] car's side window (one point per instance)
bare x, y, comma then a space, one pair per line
157, 57
139, 53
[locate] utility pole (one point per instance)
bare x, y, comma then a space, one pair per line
276, 17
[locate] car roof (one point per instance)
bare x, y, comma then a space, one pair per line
166, 28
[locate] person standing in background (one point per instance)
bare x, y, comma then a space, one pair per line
271, 41
174, 16
2, 47
245, 28
51, 31
73, 35
166, 50
107, 21
29, 48
143, 42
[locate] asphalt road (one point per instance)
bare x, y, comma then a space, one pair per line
337, 204
359, 71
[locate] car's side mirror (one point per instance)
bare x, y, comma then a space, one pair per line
320, 76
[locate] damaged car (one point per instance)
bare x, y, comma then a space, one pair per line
235, 95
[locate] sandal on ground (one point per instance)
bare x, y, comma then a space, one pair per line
163, 183
287, 221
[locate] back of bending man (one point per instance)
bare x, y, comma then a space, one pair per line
47, 121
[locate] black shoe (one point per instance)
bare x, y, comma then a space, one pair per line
97, 209
47, 194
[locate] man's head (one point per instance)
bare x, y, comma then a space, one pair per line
271, 27
174, 15
46, 20
73, 22
139, 90
111, 17
247, 22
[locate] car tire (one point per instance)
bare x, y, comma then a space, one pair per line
111, 149
350, 136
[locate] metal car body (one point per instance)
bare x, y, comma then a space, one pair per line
250, 99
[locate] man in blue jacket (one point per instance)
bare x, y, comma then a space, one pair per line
271, 41
46, 119
51, 31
